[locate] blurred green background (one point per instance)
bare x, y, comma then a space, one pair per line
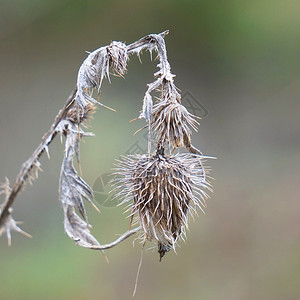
241, 62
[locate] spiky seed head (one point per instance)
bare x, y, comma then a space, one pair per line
161, 192
172, 123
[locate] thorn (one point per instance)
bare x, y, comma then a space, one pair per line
79, 168
108, 77
139, 58
166, 32
130, 223
38, 166
94, 205
25, 233
91, 93
139, 130
8, 238
118, 75
133, 120
107, 107
106, 258
47, 151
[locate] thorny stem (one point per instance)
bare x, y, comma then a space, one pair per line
48, 137
29, 163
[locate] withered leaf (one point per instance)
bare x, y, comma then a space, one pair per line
72, 190
78, 230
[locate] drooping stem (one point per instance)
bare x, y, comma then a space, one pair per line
29, 164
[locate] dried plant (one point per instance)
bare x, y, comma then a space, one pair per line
162, 189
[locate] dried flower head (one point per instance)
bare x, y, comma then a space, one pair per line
95, 67
162, 191
171, 123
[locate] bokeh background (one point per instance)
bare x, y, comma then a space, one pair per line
241, 61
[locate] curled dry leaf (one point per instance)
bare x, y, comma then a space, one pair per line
72, 190
90, 75
78, 229
95, 67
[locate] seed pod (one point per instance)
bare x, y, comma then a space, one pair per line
162, 191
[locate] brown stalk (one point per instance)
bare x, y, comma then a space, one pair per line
28, 165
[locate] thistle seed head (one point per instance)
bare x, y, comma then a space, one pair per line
161, 192
171, 123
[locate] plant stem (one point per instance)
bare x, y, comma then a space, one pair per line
28, 165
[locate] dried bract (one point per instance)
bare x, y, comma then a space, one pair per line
72, 114
72, 190
171, 123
